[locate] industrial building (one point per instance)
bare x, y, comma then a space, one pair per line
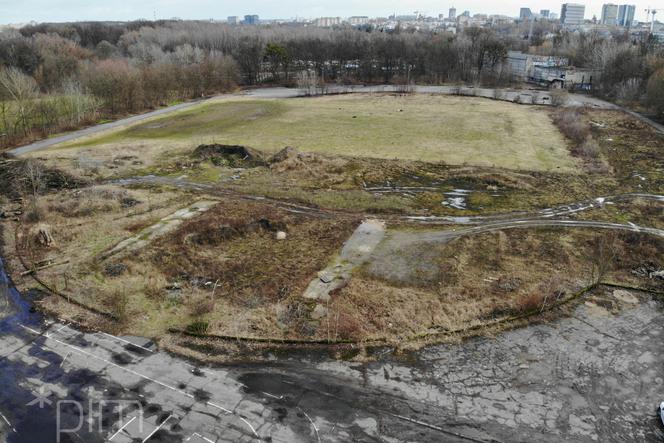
550, 71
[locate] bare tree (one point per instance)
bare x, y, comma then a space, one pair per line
22, 89
602, 257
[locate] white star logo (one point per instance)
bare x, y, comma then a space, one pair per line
40, 398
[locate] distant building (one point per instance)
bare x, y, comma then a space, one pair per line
326, 22
522, 64
550, 71
545, 13
466, 13
609, 14
233, 19
572, 14
626, 15
251, 20
358, 20
525, 14
452, 15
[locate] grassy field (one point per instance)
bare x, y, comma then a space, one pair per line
454, 130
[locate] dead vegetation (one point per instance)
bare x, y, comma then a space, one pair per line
572, 122
482, 278
235, 244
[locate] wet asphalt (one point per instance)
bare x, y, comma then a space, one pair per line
593, 376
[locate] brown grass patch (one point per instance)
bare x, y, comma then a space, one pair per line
234, 244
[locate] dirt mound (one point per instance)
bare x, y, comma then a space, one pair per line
290, 158
230, 155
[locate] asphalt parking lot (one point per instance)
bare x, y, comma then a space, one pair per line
594, 376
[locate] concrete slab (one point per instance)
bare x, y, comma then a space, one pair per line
355, 252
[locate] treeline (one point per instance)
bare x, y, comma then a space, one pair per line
123, 68
117, 68
632, 69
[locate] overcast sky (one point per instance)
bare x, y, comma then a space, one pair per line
21, 11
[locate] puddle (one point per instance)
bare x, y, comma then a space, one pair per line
457, 199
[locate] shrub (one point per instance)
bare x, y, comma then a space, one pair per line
558, 97
198, 327
118, 302
529, 303
201, 306
35, 213
588, 150
570, 123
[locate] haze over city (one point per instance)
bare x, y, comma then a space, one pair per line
77, 10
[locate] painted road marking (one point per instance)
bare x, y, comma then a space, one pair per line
63, 360
197, 435
157, 428
7, 421
138, 374
312, 423
127, 341
120, 430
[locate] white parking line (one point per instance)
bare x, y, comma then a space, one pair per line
157, 428
111, 363
120, 430
172, 388
63, 360
312, 423
63, 326
7, 421
197, 435
127, 341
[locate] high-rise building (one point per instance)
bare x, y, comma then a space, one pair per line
572, 14
545, 13
251, 20
525, 14
233, 19
626, 15
610, 14
452, 15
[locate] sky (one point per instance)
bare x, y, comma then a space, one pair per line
22, 11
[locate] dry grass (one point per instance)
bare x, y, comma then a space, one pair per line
574, 125
224, 270
455, 130
83, 223
234, 244
478, 279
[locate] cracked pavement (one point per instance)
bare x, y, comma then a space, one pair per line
593, 376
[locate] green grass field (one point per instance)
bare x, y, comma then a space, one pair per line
456, 130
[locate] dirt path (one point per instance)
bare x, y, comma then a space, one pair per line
52, 141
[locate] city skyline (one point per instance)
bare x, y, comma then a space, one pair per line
122, 10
